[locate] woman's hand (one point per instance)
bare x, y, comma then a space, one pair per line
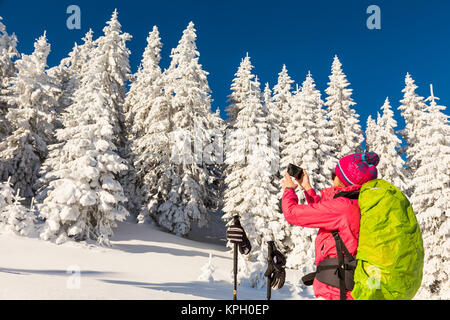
304, 181
288, 183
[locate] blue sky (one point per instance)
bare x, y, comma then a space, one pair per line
304, 35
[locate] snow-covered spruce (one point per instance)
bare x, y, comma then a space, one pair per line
212, 144
243, 83
207, 271
274, 133
33, 96
84, 198
258, 208
147, 128
384, 141
69, 72
371, 127
114, 70
112, 58
14, 216
413, 111
8, 52
68, 75
250, 192
189, 115
152, 160
145, 87
431, 199
343, 119
281, 111
243, 86
146, 109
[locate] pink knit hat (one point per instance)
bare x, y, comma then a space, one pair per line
357, 168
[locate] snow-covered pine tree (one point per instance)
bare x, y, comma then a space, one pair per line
84, 198
68, 76
370, 133
274, 133
213, 159
207, 271
282, 113
14, 216
343, 119
147, 127
250, 192
386, 144
431, 199
8, 52
258, 210
413, 111
282, 94
242, 84
68, 73
152, 153
189, 115
145, 86
267, 97
32, 94
114, 69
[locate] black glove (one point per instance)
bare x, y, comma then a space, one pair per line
276, 269
236, 234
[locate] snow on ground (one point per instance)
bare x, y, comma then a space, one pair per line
143, 263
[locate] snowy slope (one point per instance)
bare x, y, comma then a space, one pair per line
143, 263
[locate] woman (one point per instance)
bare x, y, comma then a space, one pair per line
328, 213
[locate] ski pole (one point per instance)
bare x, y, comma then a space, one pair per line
270, 245
235, 260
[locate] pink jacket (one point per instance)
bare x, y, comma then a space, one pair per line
327, 214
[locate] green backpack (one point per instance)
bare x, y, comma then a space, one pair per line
390, 249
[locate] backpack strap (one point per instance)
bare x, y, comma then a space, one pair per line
342, 266
348, 194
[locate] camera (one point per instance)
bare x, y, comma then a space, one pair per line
295, 171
